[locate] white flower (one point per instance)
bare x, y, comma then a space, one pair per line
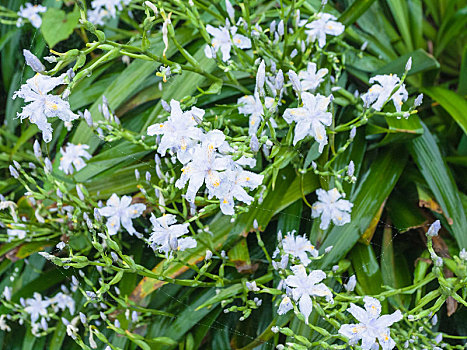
110, 5
330, 206
72, 155
310, 119
379, 93
251, 286
179, 132
252, 106
304, 286
105, 9
372, 326
205, 165
121, 211
285, 305
165, 235
36, 307
72, 330
222, 40
62, 301
3, 325
42, 105
298, 247
232, 183
31, 13
98, 15
325, 24
7, 293
310, 78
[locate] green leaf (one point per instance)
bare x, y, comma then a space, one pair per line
451, 28
215, 88
395, 271
57, 25
453, 103
431, 164
367, 269
240, 256
354, 11
400, 14
374, 188
416, 22
399, 130
404, 214
289, 218
421, 62
462, 88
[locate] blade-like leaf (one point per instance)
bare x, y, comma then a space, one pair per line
431, 164
453, 103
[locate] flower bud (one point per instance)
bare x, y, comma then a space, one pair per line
230, 10
148, 176
297, 86
254, 144
48, 165
434, 229
83, 318
418, 101
351, 169
37, 149
279, 81
33, 62
280, 28
165, 105
408, 65
13, 172
88, 118
260, 77
152, 7
364, 46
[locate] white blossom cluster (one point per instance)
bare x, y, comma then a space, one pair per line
223, 38
39, 310
31, 13
206, 159
103, 10
300, 286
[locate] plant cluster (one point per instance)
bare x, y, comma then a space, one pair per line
219, 118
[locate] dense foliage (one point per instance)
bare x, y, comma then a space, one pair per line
233, 174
